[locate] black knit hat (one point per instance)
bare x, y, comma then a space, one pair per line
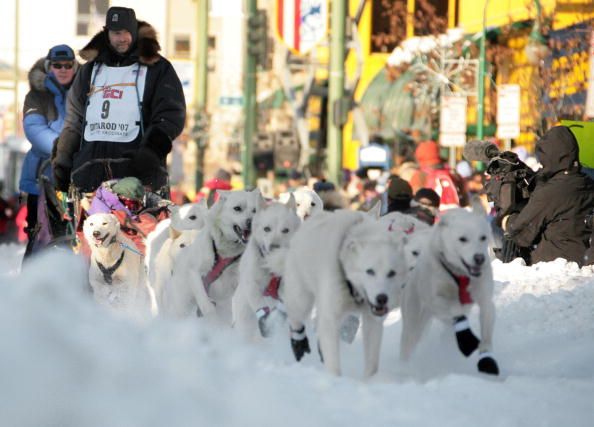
429, 194
399, 189
122, 18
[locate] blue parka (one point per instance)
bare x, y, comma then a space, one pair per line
43, 119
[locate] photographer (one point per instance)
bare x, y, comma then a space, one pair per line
553, 222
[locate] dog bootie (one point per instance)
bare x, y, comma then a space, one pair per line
467, 341
262, 314
299, 343
487, 364
349, 328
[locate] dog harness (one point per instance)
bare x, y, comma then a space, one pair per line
463, 282
108, 271
272, 288
219, 267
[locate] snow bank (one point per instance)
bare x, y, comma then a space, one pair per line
67, 362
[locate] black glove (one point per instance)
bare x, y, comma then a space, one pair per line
61, 177
145, 164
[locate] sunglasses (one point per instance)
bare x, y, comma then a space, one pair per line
59, 66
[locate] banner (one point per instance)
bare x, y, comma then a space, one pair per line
301, 24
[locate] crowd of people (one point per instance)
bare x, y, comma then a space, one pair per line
118, 114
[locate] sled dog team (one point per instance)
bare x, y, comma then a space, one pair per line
262, 265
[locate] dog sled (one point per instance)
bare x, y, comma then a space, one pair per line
61, 215
138, 211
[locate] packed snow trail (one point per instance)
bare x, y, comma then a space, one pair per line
65, 361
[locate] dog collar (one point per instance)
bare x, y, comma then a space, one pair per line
463, 282
108, 271
356, 296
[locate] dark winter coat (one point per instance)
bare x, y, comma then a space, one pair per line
43, 119
554, 220
163, 118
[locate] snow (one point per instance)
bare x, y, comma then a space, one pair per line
67, 362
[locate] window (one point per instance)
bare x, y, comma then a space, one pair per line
431, 17
181, 46
388, 24
90, 16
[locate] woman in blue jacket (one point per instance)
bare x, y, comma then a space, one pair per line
43, 119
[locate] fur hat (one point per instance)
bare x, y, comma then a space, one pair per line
122, 18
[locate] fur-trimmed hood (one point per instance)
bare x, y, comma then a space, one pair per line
37, 74
146, 47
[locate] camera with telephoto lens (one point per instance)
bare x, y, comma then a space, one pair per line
509, 186
510, 181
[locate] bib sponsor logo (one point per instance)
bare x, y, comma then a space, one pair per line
109, 93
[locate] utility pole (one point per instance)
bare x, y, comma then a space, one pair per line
336, 90
250, 106
200, 89
480, 110
16, 67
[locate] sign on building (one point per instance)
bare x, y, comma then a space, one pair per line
301, 24
508, 111
452, 121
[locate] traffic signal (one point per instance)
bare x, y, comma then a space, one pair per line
263, 152
286, 150
258, 42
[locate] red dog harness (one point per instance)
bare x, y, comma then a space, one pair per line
219, 267
272, 288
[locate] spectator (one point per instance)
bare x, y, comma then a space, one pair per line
398, 195
220, 181
50, 79
125, 108
369, 195
425, 205
434, 174
331, 197
553, 222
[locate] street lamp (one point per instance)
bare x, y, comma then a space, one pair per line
536, 49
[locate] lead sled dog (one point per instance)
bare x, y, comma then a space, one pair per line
205, 273
342, 262
452, 272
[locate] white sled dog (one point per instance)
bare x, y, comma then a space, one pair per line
453, 272
343, 262
256, 301
116, 272
189, 216
205, 273
308, 202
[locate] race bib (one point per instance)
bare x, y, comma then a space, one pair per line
113, 110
